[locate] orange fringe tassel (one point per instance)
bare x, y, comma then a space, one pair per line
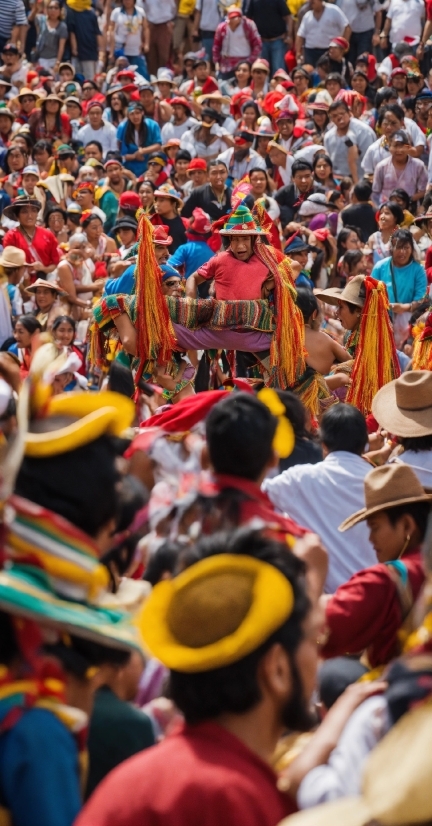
287, 349
422, 348
155, 333
375, 361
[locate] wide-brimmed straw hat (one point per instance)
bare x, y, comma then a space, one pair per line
395, 782
24, 93
12, 210
213, 96
427, 216
387, 487
51, 96
352, 293
13, 257
404, 406
41, 282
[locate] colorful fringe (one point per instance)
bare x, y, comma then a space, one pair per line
312, 390
287, 350
422, 347
218, 315
155, 334
375, 362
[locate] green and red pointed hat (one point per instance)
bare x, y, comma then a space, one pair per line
241, 222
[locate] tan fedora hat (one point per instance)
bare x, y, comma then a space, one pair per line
40, 282
387, 487
396, 783
13, 257
352, 293
404, 406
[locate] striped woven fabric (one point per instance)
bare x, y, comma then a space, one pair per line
218, 315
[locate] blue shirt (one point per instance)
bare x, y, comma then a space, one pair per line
123, 285
410, 281
39, 772
191, 255
153, 136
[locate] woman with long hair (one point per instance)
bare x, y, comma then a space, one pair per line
15, 160
242, 79
63, 333
250, 114
49, 122
323, 171
137, 137
103, 247
146, 191
116, 109
390, 217
26, 329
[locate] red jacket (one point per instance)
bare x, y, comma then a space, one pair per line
366, 612
200, 776
44, 244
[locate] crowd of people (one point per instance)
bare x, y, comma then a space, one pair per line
215, 412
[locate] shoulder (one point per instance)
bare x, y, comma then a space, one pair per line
115, 14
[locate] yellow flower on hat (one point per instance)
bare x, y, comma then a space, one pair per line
284, 439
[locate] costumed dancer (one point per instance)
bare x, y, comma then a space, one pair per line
422, 347
363, 309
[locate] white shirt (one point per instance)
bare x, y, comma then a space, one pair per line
235, 43
342, 775
210, 17
360, 13
285, 172
106, 135
318, 33
359, 133
160, 11
170, 130
406, 19
320, 497
128, 30
240, 168
420, 462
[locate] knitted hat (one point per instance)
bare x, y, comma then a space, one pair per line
241, 222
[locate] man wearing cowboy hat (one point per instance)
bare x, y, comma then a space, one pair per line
38, 243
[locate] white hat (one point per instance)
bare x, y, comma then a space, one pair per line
31, 170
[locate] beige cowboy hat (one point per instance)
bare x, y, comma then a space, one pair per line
352, 293
41, 282
396, 783
24, 93
387, 487
404, 406
13, 257
41, 101
213, 96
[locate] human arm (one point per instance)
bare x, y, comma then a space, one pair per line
377, 184
299, 48
339, 352
145, 35
19, 30
218, 41
192, 284
347, 32
65, 279
196, 23
427, 31
127, 333
352, 159
422, 182
378, 23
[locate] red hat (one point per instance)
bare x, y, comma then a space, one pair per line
161, 237
94, 103
199, 222
197, 163
340, 42
322, 234
234, 12
178, 101
129, 200
127, 74
188, 412
398, 71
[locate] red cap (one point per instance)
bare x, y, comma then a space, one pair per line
199, 222
130, 200
234, 13
178, 101
197, 163
161, 236
126, 73
187, 413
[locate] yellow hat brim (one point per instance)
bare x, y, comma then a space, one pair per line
96, 414
272, 604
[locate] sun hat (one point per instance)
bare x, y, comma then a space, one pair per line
404, 406
261, 63
215, 613
4, 110
73, 99
241, 222
265, 129
234, 11
12, 210
66, 66
395, 781
427, 216
32, 169
213, 96
164, 76
172, 142
322, 101
168, 191
387, 487
4, 82
161, 236
276, 145
51, 96
13, 257
352, 293
41, 282
25, 92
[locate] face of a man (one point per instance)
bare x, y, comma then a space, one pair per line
285, 127
161, 253
114, 173
180, 113
92, 151
172, 286
340, 117
303, 180
95, 117
241, 246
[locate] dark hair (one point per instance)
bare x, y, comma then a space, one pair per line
51, 210
74, 218
299, 165
9, 648
402, 194
333, 196
244, 63
163, 560
254, 105
215, 162
27, 137
400, 136
30, 323
295, 412
323, 62
77, 655
42, 115
321, 156
419, 511
129, 133
342, 238
299, 70
395, 110
64, 319
395, 209
183, 155
351, 258
117, 117
113, 155
240, 431
343, 427
95, 143
338, 104
409, 102
79, 485
235, 688
120, 379
362, 191
402, 236
416, 443
307, 302
89, 218
359, 73
13, 148
385, 95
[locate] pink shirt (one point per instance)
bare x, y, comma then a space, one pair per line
235, 280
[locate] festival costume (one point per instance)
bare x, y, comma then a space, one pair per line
422, 347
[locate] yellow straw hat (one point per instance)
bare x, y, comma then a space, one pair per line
215, 613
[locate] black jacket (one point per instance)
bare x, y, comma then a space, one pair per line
204, 197
288, 200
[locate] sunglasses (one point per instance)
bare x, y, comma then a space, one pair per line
172, 283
